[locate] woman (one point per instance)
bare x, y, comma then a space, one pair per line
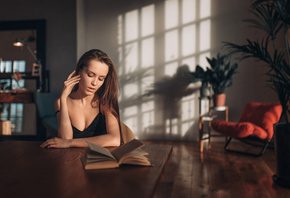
87, 109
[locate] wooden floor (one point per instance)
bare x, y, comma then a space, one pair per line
217, 173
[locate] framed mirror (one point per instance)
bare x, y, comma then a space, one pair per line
20, 110
34, 32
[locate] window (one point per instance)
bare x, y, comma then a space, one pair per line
150, 48
13, 111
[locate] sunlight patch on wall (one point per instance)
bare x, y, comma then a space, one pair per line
188, 11
185, 128
148, 114
147, 52
130, 111
188, 36
205, 8
187, 108
171, 14
131, 122
190, 62
147, 18
204, 41
204, 106
131, 119
170, 69
131, 58
171, 45
130, 90
131, 24
172, 126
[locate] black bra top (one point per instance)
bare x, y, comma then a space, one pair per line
97, 127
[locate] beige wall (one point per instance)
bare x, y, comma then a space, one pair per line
227, 15
250, 83
73, 30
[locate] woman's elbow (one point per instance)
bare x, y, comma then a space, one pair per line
116, 140
65, 136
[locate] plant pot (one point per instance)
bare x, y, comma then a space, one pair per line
204, 92
282, 151
219, 100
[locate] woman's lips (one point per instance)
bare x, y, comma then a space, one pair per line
91, 89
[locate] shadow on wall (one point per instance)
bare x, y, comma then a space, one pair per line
170, 91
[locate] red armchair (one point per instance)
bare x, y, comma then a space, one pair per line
255, 123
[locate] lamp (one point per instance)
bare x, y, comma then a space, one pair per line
36, 69
19, 42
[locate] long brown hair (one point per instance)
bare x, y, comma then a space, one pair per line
108, 92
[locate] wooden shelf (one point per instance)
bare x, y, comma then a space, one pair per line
17, 97
24, 75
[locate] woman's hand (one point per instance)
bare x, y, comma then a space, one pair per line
57, 143
69, 84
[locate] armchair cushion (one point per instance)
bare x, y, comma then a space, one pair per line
256, 119
238, 130
264, 115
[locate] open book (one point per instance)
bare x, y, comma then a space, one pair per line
97, 157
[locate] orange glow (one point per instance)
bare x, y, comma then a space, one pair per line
18, 44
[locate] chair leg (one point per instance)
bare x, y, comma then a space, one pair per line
200, 127
246, 153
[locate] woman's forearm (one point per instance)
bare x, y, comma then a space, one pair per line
64, 125
102, 140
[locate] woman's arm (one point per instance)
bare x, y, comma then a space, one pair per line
64, 124
112, 138
64, 128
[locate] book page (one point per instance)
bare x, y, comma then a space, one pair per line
135, 152
100, 150
101, 165
92, 155
137, 160
124, 149
96, 160
133, 155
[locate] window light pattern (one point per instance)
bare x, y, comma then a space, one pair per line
146, 54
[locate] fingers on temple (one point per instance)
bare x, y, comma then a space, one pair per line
71, 74
71, 83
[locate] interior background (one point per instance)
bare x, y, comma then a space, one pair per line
75, 26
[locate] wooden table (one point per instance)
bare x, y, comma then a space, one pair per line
26, 170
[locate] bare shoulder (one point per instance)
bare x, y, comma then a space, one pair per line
106, 111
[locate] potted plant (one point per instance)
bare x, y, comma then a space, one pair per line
202, 75
273, 17
221, 76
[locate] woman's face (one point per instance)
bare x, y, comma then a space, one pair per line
93, 77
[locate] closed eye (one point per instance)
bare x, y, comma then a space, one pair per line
90, 74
